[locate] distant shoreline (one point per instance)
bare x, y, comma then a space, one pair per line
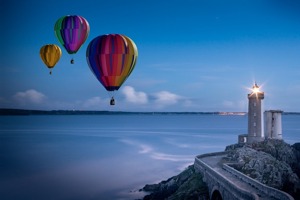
8, 111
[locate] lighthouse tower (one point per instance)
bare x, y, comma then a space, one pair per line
255, 117
273, 127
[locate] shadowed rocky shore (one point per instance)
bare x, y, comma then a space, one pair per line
271, 162
187, 185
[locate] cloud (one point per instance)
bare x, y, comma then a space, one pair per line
29, 96
165, 98
133, 96
156, 100
93, 103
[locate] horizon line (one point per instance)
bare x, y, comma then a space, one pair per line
16, 111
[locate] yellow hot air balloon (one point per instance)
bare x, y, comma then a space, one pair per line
50, 54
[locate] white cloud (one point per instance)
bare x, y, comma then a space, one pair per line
93, 102
29, 96
164, 98
133, 96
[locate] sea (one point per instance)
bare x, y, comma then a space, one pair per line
109, 156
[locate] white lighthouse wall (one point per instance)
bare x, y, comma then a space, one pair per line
268, 124
273, 126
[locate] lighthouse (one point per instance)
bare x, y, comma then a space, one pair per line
273, 127
256, 131
255, 117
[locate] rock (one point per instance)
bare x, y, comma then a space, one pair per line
151, 188
278, 149
188, 185
296, 146
271, 162
296, 166
233, 146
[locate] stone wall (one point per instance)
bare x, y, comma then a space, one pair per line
216, 181
272, 192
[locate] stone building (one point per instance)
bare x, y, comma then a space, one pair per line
273, 127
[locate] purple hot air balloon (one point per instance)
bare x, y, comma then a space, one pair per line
112, 58
72, 31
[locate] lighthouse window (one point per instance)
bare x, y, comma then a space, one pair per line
254, 104
254, 114
254, 124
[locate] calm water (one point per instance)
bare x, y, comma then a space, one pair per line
108, 156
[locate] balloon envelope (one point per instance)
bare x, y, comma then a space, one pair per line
111, 58
72, 31
50, 54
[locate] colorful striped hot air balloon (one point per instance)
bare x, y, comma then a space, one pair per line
50, 54
111, 58
72, 31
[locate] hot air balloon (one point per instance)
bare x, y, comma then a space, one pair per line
72, 31
50, 54
111, 58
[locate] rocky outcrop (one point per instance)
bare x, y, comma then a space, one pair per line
271, 162
296, 165
188, 185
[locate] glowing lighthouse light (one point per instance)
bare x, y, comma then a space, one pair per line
255, 89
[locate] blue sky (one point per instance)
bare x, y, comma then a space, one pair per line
193, 55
